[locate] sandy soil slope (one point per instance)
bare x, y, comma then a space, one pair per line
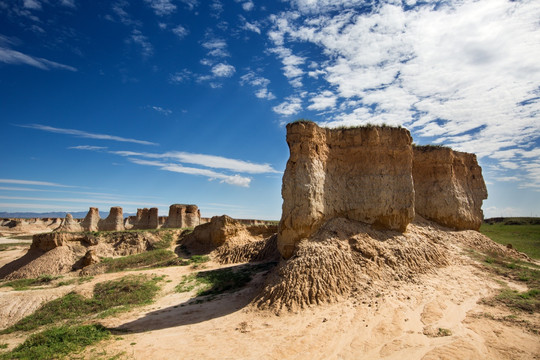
401, 322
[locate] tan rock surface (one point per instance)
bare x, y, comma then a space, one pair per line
70, 225
91, 220
181, 215
146, 219
449, 187
113, 222
362, 174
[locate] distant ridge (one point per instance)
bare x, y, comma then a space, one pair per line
58, 214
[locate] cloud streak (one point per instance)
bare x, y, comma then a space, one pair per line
84, 134
14, 57
32, 182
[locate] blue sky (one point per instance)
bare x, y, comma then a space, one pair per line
152, 102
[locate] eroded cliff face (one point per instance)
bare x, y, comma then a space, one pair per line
91, 220
362, 174
449, 187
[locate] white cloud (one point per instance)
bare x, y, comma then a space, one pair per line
161, 7
32, 4
223, 70
259, 83
31, 182
178, 168
138, 38
161, 110
291, 106
88, 147
248, 5
80, 200
191, 4
68, 3
84, 134
322, 101
180, 76
463, 73
216, 47
255, 27
13, 57
212, 161
180, 31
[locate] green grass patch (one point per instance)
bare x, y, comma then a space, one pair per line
215, 282
524, 238
25, 284
517, 271
109, 297
145, 259
165, 242
58, 342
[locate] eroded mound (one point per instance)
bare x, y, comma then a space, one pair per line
346, 256
229, 241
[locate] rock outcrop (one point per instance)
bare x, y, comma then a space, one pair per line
113, 222
362, 174
146, 219
181, 216
70, 225
91, 221
231, 241
449, 187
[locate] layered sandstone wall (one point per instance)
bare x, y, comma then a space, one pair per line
362, 174
146, 219
449, 187
70, 225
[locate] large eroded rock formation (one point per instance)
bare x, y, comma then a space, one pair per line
91, 221
113, 222
362, 174
183, 216
449, 187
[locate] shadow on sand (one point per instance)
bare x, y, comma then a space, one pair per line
198, 309
15, 265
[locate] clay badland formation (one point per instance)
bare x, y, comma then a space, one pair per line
365, 214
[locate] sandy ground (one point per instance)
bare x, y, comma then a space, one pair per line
401, 323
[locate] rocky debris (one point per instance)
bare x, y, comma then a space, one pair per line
113, 222
449, 187
90, 258
91, 221
230, 241
362, 174
181, 216
17, 226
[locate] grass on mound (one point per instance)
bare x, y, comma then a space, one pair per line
109, 297
58, 342
215, 282
149, 259
519, 232
25, 284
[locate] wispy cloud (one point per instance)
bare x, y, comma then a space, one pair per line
259, 83
161, 110
88, 147
32, 182
84, 134
212, 161
229, 179
291, 106
180, 31
14, 57
161, 7
81, 200
138, 38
